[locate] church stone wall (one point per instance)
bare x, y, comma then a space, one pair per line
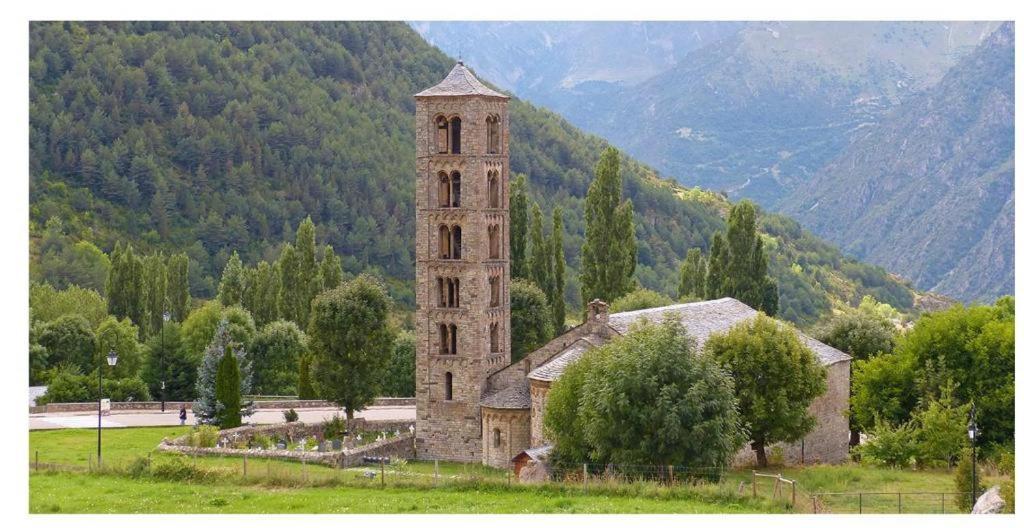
538, 404
513, 428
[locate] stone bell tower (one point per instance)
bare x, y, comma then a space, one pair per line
462, 266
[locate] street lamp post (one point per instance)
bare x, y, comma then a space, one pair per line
111, 360
972, 433
163, 373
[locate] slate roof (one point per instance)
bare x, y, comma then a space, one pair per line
515, 396
537, 453
553, 368
460, 81
701, 319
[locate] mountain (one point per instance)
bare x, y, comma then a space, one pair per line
753, 109
213, 137
928, 191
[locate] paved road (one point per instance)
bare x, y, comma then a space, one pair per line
81, 420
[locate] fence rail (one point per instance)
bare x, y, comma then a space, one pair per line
886, 501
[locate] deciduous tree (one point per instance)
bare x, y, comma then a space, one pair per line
608, 256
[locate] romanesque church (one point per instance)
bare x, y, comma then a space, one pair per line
472, 403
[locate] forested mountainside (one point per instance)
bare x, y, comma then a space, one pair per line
214, 137
928, 192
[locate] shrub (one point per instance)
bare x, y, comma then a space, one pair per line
891, 446
261, 441
229, 396
335, 428
291, 416
942, 428
962, 477
1006, 467
139, 467
183, 471
68, 385
204, 436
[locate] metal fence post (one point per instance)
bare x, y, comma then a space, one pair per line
860, 503
943, 499
382, 472
245, 466
899, 503
37, 460
586, 476
793, 500
753, 482
814, 503
305, 476
435, 473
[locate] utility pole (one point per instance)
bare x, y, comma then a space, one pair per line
163, 352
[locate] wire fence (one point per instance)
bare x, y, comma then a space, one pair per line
773, 488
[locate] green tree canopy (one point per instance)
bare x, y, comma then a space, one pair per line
692, 273
645, 398
530, 318
68, 340
350, 342
167, 360
609, 253
122, 337
229, 393
519, 225
48, 303
776, 377
232, 282
275, 353
639, 299
400, 376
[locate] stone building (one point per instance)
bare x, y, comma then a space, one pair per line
472, 403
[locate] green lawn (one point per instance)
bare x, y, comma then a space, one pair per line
286, 487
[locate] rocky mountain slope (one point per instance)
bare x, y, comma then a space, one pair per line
928, 191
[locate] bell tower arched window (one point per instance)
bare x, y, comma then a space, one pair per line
456, 189
495, 339
456, 142
495, 291
493, 190
456, 242
442, 135
493, 134
494, 242
497, 437
444, 242
448, 386
444, 190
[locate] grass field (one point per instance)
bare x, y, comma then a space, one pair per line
288, 487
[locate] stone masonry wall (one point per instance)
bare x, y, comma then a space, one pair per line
452, 429
514, 428
174, 406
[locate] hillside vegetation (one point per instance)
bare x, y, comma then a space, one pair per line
213, 137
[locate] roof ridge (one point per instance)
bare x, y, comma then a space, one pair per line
460, 81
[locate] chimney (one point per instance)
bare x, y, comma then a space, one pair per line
597, 311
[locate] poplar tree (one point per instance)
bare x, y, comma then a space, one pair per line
739, 269
557, 299
290, 301
330, 269
264, 289
125, 286
309, 280
539, 263
232, 282
608, 255
715, 277
519, 220
178, 297
155, 279
691, 274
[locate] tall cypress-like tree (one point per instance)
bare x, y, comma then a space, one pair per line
309, 279
263, 290
745, 276
232, 282
229, 392
305, 385
178, 297
608, 255
290, 301
519, 225
557, 299
692, 273
715, 278
155, 275
539, 262
330, 269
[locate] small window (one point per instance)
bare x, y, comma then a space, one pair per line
442, 293
456, 189
495, 339
456, 244
444, 190
453, 338
495, 291
497, 437
456, 136
444, 240
493, 134
444, 340
448, 386
442, 135
493, 190
494, 242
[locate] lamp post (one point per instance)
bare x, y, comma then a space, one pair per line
972, 433
163, 373
111, 360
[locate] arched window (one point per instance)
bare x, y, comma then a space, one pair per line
455, 293
495, 339
495, 291
493, 190
453, 338
456, 189
442, 293
494, 241
443, 341
456, 135
444, 190
444, 240
456, 244
442, 135
496, 437
493, 134
448, 386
